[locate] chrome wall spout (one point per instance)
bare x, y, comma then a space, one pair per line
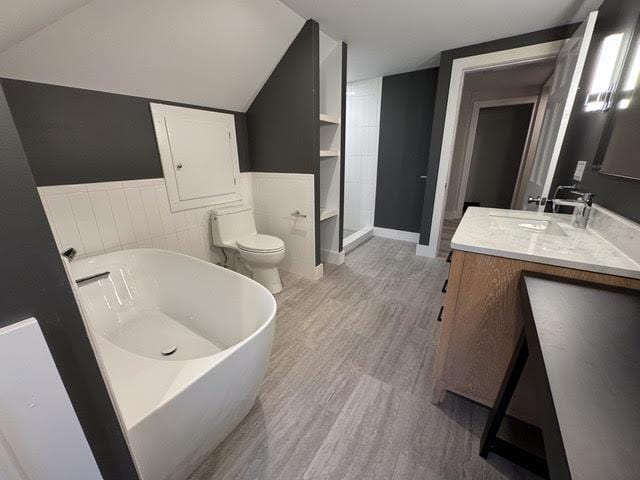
92, 278
70, 253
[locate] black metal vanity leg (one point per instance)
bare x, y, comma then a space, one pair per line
516, 366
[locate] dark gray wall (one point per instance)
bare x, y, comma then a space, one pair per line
446, 62
500, 139
284, 119
72, 135
585, 128
33, 284
406, 117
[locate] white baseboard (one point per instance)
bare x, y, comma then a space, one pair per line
426, 251
396, 234
329, 256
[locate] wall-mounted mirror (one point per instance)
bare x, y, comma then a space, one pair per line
619, 150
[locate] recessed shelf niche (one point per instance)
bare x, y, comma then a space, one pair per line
330, 142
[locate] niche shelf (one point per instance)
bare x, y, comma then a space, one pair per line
329, 153
327, 212
326, 119
331, 132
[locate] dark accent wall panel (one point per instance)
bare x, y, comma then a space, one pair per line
500, 139
622, 195
406, 117
442, 95
72, 135
284, 119
343, 135
33, 284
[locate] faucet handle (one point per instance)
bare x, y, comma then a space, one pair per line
562, 187
588, 198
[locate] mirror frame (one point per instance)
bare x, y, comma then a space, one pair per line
609, 125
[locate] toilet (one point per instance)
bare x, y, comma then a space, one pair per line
234, 228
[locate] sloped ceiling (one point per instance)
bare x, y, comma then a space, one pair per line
21, 18
393, 36
215, 53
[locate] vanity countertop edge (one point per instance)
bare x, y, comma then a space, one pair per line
581, 249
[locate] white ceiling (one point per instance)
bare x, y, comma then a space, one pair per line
21, 18
214, 53
392, 36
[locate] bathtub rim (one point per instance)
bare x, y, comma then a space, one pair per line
222, 355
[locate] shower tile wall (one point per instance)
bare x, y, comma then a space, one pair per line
361, 155
102, 217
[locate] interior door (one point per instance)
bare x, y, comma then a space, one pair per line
564, 86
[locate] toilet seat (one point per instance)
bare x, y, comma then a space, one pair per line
259, 243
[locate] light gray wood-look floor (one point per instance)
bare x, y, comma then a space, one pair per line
348, 391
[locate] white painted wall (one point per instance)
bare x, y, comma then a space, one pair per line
215, 53
275, 197
361, 155
40, 435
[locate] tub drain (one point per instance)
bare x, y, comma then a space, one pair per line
169, 350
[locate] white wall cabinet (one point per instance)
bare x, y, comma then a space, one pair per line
199, 155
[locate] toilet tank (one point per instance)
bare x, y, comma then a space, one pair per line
228, 224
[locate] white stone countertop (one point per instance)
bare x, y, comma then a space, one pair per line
485, 230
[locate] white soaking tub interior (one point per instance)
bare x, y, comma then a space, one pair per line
176, 408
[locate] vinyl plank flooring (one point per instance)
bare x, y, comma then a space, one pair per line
348, 391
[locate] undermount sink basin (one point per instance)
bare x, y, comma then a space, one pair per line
527, 224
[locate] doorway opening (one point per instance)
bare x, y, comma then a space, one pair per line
570, 57
498, 128
497, 133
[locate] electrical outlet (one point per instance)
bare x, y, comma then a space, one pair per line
579, 172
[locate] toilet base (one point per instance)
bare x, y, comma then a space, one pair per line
269, 277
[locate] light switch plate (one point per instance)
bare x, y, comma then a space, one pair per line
579, 172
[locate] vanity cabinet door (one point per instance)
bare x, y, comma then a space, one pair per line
481, 324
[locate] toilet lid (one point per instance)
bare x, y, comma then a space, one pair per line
260, 243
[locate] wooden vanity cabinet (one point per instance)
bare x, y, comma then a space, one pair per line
481, 323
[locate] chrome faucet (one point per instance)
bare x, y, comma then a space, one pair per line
581, 205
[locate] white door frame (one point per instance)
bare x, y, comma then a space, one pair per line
576, 75
459, 67
471, 138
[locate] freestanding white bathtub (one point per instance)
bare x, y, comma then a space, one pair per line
178, 407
